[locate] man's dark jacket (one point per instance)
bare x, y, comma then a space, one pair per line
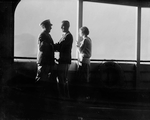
45, 49
64, 47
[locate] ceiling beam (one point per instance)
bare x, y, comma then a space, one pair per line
142, 3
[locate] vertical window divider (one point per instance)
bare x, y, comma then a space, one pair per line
79, 19
138, 46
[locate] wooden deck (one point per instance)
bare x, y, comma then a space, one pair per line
30, 102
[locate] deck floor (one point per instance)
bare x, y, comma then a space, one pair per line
26, 103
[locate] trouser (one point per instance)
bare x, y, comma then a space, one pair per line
43, 72
62, 72
83, 73
83, 79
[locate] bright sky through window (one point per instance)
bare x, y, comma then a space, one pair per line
112, 27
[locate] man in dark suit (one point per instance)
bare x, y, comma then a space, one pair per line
64, 47
45, 57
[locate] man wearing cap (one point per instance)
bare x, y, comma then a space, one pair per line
45, 56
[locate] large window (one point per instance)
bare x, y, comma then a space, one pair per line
30, 13
112, 30
145, 34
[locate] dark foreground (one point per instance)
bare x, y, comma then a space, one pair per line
27, 102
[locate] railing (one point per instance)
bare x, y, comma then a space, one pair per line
117, 60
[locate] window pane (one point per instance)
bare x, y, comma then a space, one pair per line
145, 35
30, 13
112, 30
